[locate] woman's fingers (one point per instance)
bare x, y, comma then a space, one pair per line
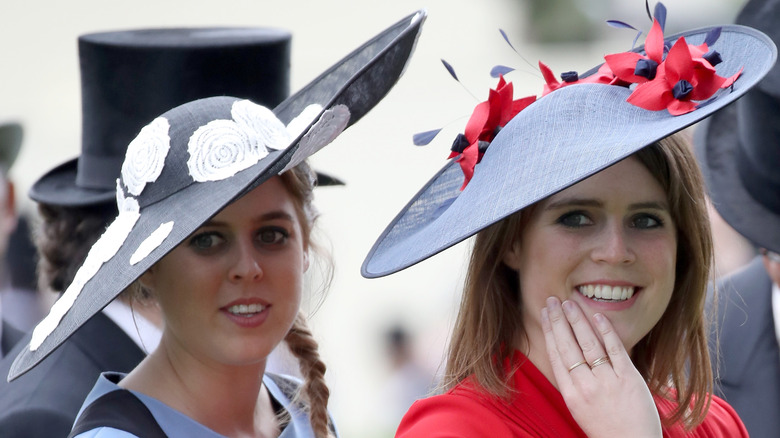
618, 356
562, 340
588, 340
560, 369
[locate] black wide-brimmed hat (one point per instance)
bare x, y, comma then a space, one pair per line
190, 162
10, 142
129, 77
739, 147
533, 148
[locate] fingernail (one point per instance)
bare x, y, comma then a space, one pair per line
568, 307
553, 303
601, 321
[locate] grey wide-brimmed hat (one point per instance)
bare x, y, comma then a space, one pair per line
190, 162
739, 148
10, 142
560, 139
128, 77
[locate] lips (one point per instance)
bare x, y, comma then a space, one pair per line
606, 292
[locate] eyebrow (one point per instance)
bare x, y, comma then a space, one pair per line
581, 202
271, 215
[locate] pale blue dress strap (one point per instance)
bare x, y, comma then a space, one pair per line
175, 424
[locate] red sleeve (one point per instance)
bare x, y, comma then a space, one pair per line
451, 416
723, 421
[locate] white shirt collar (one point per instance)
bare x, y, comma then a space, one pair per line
145, 334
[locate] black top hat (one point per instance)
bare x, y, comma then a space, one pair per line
10, 143
739, 147
130, 77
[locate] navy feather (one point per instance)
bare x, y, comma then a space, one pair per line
500, 70
660, 14
712, 36
506, 38
620, 24
423, 138
450, 69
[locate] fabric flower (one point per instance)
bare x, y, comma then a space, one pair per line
222, 148
485, 122
681, 82
145, 157
635, 68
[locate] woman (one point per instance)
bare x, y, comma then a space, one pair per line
582, 310
215, 214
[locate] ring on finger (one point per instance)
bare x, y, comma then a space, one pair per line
582, 362
600, 361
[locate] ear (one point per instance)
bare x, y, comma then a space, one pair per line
306, 260
147, 279
513, 257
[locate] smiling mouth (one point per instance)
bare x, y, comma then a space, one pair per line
246, 310
603, 292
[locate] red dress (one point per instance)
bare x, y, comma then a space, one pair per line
537, 411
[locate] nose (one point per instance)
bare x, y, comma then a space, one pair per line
245, 266
613, 246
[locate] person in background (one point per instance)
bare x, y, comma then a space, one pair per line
128, 77
582, 309
214, 223
739, 152
10, 143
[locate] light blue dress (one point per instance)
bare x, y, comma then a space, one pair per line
175, 424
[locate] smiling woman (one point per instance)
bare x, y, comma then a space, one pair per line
582, 311
215, 217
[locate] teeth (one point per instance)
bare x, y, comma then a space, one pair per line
246, 309
606, 292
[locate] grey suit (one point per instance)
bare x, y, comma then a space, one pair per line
44, 402
749, 374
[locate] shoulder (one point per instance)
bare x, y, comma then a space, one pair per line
722, 421
451, 415
35, 422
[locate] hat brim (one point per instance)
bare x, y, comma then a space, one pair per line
58, 187
716, 143
376, 65
557, 141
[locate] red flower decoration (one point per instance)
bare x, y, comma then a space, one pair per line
485, 122
681, 82
624, 65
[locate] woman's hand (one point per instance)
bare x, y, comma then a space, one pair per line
603, 390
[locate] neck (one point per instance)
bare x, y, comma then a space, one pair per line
230, 400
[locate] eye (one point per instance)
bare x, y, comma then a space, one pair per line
575, 219
272, 236
206, 240
646, 221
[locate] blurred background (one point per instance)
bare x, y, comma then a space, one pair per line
382, 339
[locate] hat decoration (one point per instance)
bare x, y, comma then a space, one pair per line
579, 126
193, 160
217, 151
679, 78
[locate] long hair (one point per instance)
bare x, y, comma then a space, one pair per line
299, 182
673, 355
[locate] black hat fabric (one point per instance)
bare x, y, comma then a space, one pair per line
572, 132
190, 162
739, 147
10, 142
129, 77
